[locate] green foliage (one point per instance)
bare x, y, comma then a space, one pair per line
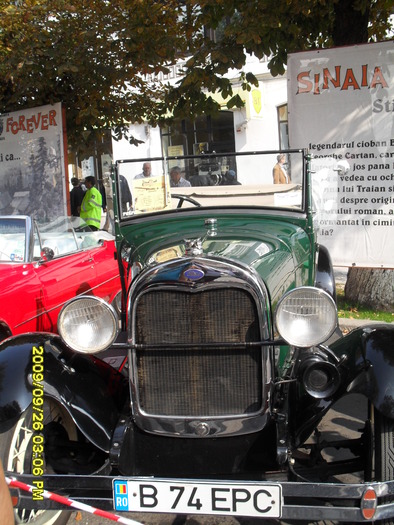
101, 58
92, 56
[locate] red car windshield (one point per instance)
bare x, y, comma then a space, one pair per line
12, 239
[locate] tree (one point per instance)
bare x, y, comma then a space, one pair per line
371, 287
272, 29
94, 56
46, 179
275, 29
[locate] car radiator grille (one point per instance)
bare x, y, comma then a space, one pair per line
198, 381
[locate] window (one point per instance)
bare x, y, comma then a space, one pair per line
283, 127
216, 132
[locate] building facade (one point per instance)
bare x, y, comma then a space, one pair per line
260, 125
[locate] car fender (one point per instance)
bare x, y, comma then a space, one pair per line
325, 278
370, 359
366, 367
91, 390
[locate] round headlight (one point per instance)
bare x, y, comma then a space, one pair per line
306, 316
88, 324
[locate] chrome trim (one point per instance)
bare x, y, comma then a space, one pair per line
193, 247
94, 299
217, 274
330, 498
211, 226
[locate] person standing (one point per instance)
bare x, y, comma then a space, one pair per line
230, 178
91, 204
146, 171
279, 172
6, 508
76, 196
125, 194
198, 180
176, 179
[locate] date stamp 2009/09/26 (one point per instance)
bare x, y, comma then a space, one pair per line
38, 421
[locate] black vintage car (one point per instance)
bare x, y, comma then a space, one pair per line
206, 395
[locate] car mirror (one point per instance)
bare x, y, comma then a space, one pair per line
47, 254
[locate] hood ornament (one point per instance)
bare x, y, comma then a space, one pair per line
193, 247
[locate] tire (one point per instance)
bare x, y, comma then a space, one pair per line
16, 454
384, 453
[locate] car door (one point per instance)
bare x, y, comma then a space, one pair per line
62, 278
107, 272
20, 298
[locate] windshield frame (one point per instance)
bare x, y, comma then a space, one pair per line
304, 176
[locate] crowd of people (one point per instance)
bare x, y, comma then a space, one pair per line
88, 201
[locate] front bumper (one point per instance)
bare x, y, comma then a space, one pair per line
306, 501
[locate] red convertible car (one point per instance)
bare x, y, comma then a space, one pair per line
44, 265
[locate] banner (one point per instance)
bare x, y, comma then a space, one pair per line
32, 163
341, 108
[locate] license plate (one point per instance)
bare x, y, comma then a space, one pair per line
236, 499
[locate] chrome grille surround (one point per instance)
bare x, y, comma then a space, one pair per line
182, 382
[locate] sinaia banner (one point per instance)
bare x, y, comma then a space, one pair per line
32, 166
341, 108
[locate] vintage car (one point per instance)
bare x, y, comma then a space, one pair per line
43, 265
231, 358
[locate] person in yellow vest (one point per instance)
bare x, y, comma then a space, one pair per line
91, 204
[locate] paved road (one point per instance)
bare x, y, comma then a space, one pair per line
349, 413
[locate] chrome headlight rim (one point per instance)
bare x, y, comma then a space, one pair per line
107, 317
303, 338
117, 303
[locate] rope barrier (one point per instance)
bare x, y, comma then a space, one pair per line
71, 503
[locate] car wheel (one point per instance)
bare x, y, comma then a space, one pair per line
384, 453
16, 453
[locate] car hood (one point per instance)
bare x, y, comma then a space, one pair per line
276, 248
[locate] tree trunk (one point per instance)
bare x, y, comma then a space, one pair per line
350, 23
373, 288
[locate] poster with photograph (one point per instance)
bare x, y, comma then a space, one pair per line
32, 163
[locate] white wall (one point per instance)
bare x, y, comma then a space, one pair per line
254, 130
150, 147
261, 131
